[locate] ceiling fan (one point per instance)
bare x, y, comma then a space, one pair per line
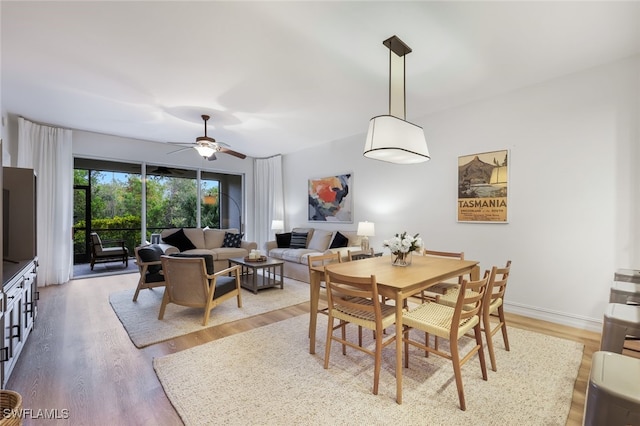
208, 147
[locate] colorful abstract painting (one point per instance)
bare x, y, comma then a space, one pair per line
330, 199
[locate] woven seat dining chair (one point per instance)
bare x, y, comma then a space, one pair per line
356, 300
359, 254
188, 283
492, 307
322, 260
150, 268
452, 324
446, 286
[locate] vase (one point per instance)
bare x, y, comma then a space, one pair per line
401, 259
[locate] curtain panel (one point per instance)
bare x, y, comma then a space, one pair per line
48, 150
268, 197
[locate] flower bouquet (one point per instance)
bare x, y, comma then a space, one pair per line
402, 246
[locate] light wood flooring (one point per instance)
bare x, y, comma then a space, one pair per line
80, 358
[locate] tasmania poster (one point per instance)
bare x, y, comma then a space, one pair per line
482, 187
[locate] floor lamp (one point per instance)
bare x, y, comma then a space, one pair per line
213, 199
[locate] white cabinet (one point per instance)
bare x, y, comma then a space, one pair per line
19, 310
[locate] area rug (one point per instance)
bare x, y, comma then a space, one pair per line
266, 376
140, 318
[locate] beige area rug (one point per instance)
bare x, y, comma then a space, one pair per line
140, 318
266, 376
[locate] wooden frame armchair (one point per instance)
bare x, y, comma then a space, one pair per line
189, 284
102, 254
150, 268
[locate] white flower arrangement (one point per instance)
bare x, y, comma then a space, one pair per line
403, 243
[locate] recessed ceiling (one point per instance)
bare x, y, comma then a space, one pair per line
276, 77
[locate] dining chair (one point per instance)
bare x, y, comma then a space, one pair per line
492, 307
359, 254
188, 283
356, 300
443, 287
452, 324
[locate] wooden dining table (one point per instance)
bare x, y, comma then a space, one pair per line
394, 282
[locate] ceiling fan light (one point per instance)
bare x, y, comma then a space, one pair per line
204, 150
395, 140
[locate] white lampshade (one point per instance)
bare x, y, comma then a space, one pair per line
395, 140
366, 229
277, 225
204, 150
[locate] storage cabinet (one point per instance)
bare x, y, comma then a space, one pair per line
19, 310
19, 295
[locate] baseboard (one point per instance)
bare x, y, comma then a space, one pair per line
584, 323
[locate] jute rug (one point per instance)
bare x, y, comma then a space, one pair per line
140, 318
266, 376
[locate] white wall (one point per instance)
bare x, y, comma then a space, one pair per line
573, 197
99, 146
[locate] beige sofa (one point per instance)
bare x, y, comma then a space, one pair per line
318, 242
206, 241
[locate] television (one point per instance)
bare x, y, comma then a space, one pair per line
5, 223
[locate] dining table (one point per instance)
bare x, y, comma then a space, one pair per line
397, 283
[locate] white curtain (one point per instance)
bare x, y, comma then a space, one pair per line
268, 197
48, 151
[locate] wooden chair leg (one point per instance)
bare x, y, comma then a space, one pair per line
327, 346
483, 365
503, 325
455, 359
489, 336
377, 362
343, 326
163, 305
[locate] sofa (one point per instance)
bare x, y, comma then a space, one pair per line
296, 246
221, 244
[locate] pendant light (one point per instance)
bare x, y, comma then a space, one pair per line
390, 137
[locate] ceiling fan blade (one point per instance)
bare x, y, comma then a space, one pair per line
231, 152
179, 150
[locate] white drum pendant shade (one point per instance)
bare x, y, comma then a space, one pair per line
390, 137
395, 140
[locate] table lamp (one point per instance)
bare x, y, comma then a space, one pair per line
365, 230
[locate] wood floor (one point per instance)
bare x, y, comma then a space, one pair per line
80, 359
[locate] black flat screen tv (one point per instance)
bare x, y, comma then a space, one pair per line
5, 223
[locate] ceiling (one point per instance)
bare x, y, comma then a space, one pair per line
277, 77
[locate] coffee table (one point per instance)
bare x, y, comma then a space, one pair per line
249, 278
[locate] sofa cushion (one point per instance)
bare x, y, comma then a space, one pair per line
297, 255
208, 259
339, 240
232, 240
224, 253
320, 240
213, 238
298, 240
283, 240
196, 235
179, 240
200, 252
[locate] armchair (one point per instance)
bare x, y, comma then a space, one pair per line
189, 284
102, 254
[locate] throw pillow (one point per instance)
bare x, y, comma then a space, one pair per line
339, 241
179, 240
232, 240
298, 240
283, 240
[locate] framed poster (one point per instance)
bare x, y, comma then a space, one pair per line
483, 180
330, 199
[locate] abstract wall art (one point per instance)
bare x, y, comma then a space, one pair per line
330, 199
